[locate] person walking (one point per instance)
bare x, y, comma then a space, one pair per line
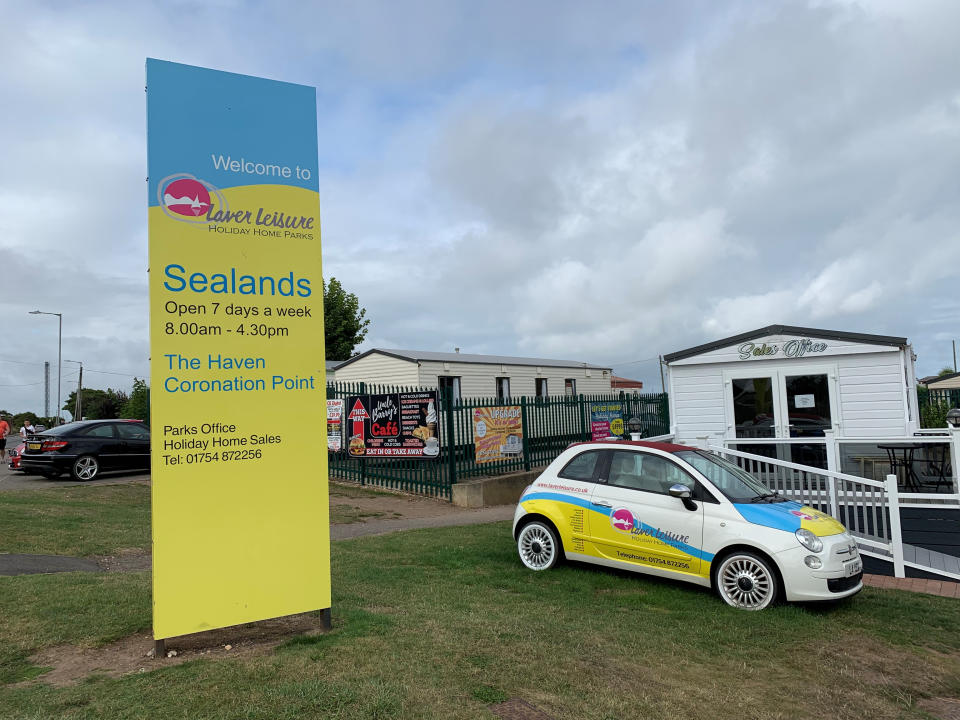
4, 431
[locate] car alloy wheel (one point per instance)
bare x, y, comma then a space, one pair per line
538, 546
86, 468
746, 582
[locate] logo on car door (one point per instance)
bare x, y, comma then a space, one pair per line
623, 520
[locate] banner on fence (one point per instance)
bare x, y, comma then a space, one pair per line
236, 330
497, 433
334, 424
397, 425
606, 420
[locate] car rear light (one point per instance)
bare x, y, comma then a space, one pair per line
53, 445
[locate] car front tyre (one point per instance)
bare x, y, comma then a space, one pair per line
746, 581
538, 546
85, 468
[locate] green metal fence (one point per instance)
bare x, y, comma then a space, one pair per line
549, 426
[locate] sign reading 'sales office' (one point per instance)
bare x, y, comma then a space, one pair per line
240, 508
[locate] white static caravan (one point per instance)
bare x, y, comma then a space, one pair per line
476, 376
788, 383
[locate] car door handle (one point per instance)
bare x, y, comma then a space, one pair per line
601, 503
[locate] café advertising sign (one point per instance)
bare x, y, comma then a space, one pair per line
606, 420
397, 425
334, 425
239, 491
497, 433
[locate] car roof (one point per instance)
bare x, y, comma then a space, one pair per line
663, 446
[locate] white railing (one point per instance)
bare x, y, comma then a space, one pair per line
872, 462
659, 438
869, 509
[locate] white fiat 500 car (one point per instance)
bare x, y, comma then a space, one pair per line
679, 512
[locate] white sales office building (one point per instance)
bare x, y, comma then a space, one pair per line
831, 419
783, 382
787, 392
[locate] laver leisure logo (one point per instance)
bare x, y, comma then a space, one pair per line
187, 198
623, 520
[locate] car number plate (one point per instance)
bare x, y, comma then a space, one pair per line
852, 568
33, 446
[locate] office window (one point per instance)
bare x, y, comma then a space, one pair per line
503, 388
541, 387
570, 386
449, 387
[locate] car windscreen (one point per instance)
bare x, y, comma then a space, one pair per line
735, 483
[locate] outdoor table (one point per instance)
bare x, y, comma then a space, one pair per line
905, 463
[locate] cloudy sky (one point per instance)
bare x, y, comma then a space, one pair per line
592, 181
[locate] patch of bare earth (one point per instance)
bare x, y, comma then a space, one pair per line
71, 664
391, 504
942, 708
125, 560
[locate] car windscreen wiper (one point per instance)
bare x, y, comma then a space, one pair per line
766, 497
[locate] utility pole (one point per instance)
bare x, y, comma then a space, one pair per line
78, 403
662, 387
954, 355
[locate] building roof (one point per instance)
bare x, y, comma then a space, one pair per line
332, 364
940, 378
431, 356
617, 381
786, 330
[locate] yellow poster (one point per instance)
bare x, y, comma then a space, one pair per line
497, 433
239, 488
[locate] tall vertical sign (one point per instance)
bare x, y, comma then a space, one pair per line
240, 508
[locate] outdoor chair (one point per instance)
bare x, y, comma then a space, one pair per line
935, 469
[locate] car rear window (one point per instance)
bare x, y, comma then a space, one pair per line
583, 467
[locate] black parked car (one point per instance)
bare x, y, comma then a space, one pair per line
88, 447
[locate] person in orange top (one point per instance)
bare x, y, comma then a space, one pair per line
4, 431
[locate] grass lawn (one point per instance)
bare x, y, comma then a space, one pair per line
76, 520
107, 519
440, 623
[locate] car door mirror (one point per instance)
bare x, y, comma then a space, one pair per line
681, 491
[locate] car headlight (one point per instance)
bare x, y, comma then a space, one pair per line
810, 541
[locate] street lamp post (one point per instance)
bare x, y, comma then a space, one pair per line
59, 355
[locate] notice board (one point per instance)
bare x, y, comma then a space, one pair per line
239, 491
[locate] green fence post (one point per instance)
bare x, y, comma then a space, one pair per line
523, 431
447, 398
363, 460
664, 413
584, 428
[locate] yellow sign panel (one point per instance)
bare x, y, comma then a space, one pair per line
240, 500
497, 433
